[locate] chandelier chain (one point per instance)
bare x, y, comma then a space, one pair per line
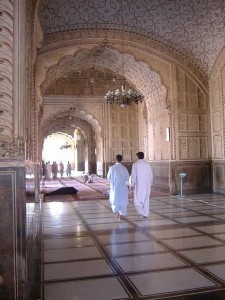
123, 97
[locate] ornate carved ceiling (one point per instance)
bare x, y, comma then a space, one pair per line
194, 28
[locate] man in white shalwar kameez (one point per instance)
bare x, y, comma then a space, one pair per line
141, 179
118, 176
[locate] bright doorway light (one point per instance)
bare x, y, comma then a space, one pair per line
53, 150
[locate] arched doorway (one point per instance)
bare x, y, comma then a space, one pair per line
63, 148
78, 138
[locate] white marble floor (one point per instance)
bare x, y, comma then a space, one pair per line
177, 253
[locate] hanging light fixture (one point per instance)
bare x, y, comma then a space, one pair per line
77, 136
123, 97
75, 124
65, 146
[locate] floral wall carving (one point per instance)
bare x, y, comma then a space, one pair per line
192, 116
217, 95
124, 133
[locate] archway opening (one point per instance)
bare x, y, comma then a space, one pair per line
61, 148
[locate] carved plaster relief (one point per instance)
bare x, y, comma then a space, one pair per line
193, 147
158, 142
151, 141
137, 73
183, 147
159, 56
192, 119
189, 94
38, 32
215, 96
142, 116
216, 121
223, 76
204, 148
126, 144
192, 122
116, 132
217, 116
201, 99
124, 132
217, 146
117, 144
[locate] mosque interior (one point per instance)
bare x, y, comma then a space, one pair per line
58, 61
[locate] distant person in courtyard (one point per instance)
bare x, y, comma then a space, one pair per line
118, 176
141, 180
68, 169
44, 171
49, 170
54, 170
61, 168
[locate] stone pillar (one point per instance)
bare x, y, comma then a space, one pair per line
12, 232
15, 52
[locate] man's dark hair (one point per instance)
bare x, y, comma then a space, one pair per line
140, 155
119, 157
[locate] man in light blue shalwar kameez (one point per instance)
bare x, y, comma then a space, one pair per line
118, 176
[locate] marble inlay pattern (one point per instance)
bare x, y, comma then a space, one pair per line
194, 27
118, 260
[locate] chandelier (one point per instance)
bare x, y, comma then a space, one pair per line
65, 146
123, 97
77, 135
